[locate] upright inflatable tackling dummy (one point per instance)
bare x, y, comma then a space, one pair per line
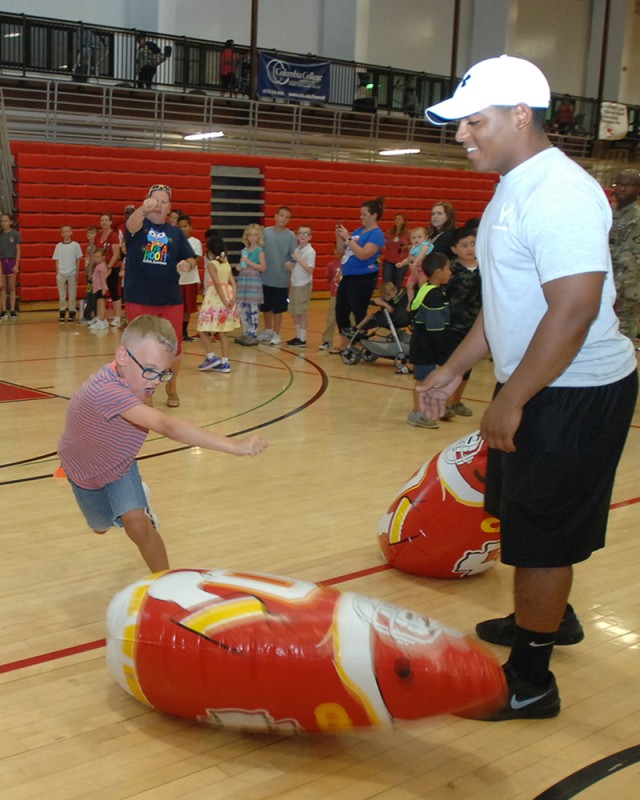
437, 525
271, 653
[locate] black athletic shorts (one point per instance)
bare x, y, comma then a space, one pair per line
552, 495
275, 299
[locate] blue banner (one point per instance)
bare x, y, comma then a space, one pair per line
293, 80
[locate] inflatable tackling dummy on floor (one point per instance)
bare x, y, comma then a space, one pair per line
270, 653
437, 525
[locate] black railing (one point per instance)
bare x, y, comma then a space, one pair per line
32, 46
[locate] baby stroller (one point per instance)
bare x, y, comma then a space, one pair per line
382, 334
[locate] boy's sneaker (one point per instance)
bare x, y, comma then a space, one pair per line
13, 316
3, 316
502, 630
222, 366
61, 316
416, 419
115, 322
93, 322
249, 341
527, 701
72, 316
265, 336
462, 410
100, 325
208, 363
325, 346
295, 342
154, 520
275, 339
448, 414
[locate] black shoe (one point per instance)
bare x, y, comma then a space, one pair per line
187, 338
295, 342
71, 317
527, 701
61, 317
501, 630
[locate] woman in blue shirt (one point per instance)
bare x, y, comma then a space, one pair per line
359, 253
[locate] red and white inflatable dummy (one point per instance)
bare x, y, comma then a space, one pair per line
437, 525
270, 653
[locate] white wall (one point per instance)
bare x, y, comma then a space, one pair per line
555, 35
411, 34
118, 13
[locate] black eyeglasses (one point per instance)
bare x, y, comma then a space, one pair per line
152, 374
159, 187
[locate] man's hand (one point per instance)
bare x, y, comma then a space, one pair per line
435, 391
500, 422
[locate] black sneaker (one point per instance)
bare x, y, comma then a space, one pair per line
61, 316
72, 316
527, 701
13, 316
501, 630
295, 342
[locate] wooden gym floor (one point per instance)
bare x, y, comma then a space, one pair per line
340, 449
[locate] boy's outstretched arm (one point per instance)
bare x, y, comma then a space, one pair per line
180, 430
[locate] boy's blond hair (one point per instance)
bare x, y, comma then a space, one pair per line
147, 326
251, 229
388, 288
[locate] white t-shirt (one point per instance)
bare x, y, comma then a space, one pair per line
66, 255
193, 276
548, 219
299, 276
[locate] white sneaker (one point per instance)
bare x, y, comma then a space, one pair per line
93, 322
101, 325
154, 520
115, 322
265, 336
275, 339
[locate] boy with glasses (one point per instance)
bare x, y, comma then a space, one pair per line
301, 266
107, 423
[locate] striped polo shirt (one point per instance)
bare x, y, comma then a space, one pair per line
97, 445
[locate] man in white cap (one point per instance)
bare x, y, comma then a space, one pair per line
566, 378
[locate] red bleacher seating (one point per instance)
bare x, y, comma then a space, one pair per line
73, 184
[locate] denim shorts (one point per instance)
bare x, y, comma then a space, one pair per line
103, 508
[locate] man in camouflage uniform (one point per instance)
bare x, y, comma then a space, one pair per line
624, 241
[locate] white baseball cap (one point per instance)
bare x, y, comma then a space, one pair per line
501, 81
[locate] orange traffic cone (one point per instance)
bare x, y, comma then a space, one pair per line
59, 473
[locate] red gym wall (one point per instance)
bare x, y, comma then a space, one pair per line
74, 184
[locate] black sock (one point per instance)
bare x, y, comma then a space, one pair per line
531, 654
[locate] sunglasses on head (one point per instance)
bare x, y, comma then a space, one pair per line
159, 187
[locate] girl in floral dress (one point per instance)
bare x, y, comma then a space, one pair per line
219, 311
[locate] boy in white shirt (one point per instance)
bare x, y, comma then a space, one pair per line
302, 264
67, 255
